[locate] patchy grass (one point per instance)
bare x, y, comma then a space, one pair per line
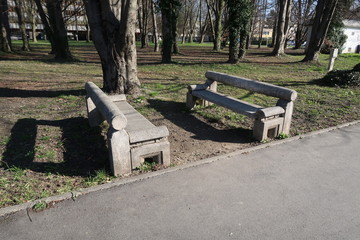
47, 147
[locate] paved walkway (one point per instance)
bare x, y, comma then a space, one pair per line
304, 189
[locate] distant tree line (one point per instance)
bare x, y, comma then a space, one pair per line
235, 23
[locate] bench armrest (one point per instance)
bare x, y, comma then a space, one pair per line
148, 134
269, 112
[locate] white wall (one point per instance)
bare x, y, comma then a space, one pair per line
353, 41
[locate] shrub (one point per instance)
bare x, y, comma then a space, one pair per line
342, 78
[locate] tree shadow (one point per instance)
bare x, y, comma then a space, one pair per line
83, 148
178, 114
10, 92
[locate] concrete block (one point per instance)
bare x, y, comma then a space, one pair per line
267, 128
119, 152
159, 149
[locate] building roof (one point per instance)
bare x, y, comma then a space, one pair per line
352, 23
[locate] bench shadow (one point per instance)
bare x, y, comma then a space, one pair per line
83, 148
178, 114
10, 92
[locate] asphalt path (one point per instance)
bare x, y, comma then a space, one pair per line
304, 189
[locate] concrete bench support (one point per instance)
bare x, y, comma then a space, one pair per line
268, 122
131, 137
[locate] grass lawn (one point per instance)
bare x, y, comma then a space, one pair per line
47, 147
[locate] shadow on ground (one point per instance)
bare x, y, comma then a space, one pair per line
178, 114
10, 92
83, 148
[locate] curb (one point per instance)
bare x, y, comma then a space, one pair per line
5, 212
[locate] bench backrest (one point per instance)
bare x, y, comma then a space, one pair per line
106, 106
251, 85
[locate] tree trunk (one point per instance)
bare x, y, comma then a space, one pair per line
155, 31
55, 28
5, 27
203, 29
234, 12
31, 11
19, 8
113, 31
166, 32
218, 25
282, 24
242, 47
211, 20
175, 15
143, 15
324, 12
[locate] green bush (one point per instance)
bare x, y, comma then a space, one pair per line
342, 78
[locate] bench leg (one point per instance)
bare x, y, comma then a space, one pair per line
119, 152
190, 100
159, 151
289, 107
267, 128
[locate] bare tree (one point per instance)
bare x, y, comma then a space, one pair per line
19, 8
113, 24
323, 14
262, 17
194, 16
169, 16
31, 16
5, 27
144, 12
282, 27
216, 9
155, 30
185, 16
203, 25
303, 11
55, 28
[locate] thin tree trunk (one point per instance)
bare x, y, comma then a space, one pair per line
5, 27
218, 25
279, 48
55, 28
166, 32
155, 31
19, 8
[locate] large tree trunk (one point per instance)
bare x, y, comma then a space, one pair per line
324, 12
155, 31
4, 27
19, 8
282, 25
113, 31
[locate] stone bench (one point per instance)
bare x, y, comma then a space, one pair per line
269, 122
131, 138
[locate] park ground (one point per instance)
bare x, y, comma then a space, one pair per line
47, 147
